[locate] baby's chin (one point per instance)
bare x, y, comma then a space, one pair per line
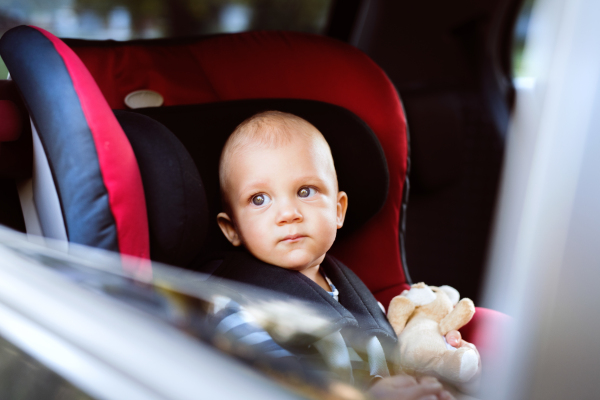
297, 260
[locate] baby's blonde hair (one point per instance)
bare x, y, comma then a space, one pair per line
266, 129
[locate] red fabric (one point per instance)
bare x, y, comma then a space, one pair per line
484, 331
11, 126
117, 162
279, 65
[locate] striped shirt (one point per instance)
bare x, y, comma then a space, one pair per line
241, 333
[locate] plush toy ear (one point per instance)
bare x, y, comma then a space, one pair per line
451, 292
420, 294
399, 311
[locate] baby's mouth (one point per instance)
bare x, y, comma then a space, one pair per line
292, 238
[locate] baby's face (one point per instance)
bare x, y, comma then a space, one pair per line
284, 204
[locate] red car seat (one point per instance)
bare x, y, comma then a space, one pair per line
274, 65
196, 78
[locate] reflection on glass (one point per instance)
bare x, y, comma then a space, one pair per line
143, 19
24, 378
519, 34
184, 300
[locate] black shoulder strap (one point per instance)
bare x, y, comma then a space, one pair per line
281, 284
356, 310
356, 298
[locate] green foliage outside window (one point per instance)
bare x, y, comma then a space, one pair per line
189, 17
519, 38
3, 70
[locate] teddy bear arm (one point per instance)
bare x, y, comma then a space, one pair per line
398, 312
458, 317
458, 366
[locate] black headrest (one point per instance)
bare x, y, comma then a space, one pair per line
359, 159
175, 197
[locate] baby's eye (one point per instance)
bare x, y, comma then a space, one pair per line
260, 199
306, 192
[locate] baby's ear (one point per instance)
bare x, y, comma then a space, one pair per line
342, 206
226, 225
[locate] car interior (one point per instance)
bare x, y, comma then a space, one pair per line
452, 69
456, 93
433, 82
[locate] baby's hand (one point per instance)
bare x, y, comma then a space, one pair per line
406, 387
454, 339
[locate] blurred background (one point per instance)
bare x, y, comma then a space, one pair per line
147, 19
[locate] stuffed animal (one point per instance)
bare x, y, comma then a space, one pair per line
421, 318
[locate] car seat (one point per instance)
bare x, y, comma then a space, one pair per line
197, 80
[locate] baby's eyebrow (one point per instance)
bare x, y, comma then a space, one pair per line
255, 183
311, 179
252, 186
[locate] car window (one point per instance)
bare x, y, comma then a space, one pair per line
183, 299
148, 19
519, 35
145, 19
23, 377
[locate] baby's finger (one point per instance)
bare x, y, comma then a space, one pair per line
454, 338
418, 392
428, 379
400, 381
440, 397
445, 395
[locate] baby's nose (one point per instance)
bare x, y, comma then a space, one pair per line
288, 213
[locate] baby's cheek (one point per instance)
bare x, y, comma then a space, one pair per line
258, 249
328, 232
251, 235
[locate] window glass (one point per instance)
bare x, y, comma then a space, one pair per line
184, 300
519, 35
3, 70
148, 19
24, 378
139, 19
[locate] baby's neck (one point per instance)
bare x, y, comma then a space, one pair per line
314, 274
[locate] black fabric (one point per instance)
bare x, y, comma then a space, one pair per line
48, 92
404, 207
175, 199
356, 297
10, 207
16, 157
456, 159
359, 158
357, 309
168, 41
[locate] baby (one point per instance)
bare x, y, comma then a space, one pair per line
282, 204
280, 193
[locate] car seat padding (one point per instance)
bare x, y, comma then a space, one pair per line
95, 171
175, 196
